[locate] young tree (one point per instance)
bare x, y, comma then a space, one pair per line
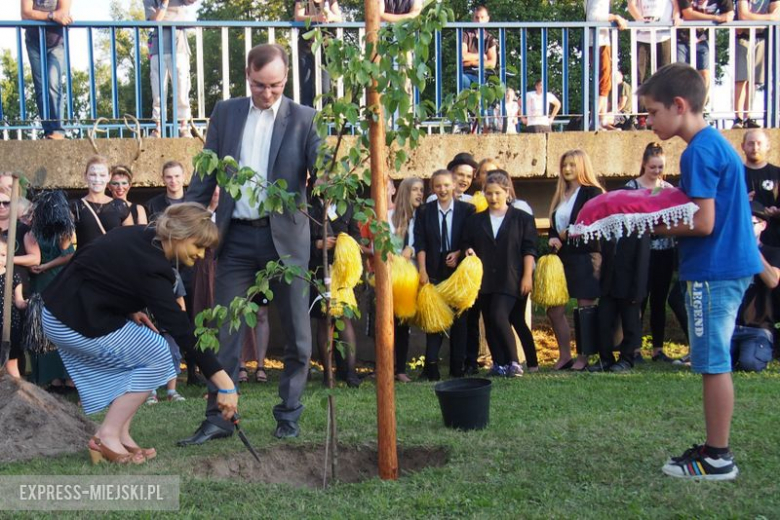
344, 172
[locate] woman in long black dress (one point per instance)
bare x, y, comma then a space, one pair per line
346, 362
577, 184
26, 254
96, 213
93, 313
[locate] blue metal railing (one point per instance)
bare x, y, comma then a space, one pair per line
533, 49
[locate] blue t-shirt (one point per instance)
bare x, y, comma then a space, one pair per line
711, 169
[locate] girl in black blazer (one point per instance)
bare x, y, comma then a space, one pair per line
577, 184
437, 259
504, 238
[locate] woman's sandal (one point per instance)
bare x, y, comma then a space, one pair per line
243, 375
100, 453
566, 366
148, 453
261, 376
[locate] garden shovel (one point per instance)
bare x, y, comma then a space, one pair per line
243, 438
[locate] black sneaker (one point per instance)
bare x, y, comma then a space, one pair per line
638, 359
622, 365
600, 366
662, 357
694, 464
751, 123
737, 124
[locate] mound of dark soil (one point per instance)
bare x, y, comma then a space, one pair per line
302, 466
34, 423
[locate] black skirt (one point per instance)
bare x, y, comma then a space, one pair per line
583, 274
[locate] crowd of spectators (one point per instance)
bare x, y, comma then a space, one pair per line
170, 58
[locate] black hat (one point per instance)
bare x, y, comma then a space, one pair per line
758, 210
462, 158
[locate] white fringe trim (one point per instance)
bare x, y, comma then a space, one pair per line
622, 224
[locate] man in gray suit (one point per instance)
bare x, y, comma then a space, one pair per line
277, 139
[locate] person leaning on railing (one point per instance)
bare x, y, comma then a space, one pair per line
767, 11
57, 11
169, 11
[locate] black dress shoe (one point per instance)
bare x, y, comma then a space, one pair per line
286, 430
205, 432
471, 370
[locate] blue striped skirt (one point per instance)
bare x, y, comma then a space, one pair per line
131, 359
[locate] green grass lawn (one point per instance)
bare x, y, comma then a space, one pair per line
558, 446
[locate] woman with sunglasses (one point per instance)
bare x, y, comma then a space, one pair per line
119, 186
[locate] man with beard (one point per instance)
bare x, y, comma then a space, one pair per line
763, 182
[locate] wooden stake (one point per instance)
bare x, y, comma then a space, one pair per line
385, 389
5, 343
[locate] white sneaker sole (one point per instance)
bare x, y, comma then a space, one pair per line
673, 472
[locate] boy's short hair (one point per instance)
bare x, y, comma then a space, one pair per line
676, 80
439, 173
172, 164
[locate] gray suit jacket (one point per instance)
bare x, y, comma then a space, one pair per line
292, 156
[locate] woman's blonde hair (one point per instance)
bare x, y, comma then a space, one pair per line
585, 175
501, 178
187, 220
404, 211
486, 166
122, 170
95, 159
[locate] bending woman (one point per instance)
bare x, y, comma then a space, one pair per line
93, 313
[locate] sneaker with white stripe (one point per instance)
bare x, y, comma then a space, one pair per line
694, 464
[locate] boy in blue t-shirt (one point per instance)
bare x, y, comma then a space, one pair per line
718, 256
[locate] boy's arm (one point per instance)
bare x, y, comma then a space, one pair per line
770, 275
703, 222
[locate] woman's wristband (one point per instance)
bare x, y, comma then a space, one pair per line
223, 391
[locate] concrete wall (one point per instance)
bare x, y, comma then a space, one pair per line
527, 157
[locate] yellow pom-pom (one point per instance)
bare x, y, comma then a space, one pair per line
347, 262
433, 313
340, 298
479, 201
550, 282
406, 281
461, 289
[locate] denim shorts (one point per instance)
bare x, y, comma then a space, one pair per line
751, 348
712, 312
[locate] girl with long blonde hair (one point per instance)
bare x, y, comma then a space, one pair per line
577, 184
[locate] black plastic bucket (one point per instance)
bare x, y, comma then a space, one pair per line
465, 403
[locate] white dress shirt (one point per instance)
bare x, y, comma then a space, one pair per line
446, 213
255, 146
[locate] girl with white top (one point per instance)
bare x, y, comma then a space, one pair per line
504, 239
577, 184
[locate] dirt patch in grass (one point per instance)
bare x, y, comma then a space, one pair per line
302, 466
34, 423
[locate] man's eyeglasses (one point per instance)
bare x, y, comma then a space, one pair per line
119, 183
260, 87
5, 203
